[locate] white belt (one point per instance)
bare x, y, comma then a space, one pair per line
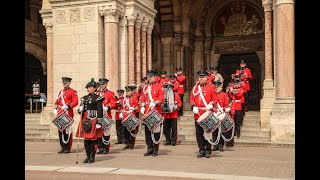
180, 85
236, 101
201, 108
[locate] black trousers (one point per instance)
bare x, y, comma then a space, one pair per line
243, 109
151, 146
90, 148
238, 117
204, 145
246, 99
65, 146
180, 111
101, 145
170, 130
129, 140
227, 135
119, 128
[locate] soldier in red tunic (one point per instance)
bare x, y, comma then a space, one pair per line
181, 79
163, 79
144, 81
91, 114
223, 102
200, 106
108, 103
236, 93
157, 78
210, 75
119, 125
130, 106
170, 120
152, 98
246, 76
175, 83
66, 101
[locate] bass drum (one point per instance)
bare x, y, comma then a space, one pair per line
168, 103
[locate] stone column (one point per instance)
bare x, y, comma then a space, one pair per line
149, 45
49, 64
283, 113
138, 49
111, 15
131, 21
144, 48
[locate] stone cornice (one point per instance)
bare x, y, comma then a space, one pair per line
68, 3
280, 2
267, 5
134, 7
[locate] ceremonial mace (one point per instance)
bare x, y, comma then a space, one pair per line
79, 129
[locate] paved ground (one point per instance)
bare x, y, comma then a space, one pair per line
173, 162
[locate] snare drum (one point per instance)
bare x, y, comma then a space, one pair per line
226, 122
208, 121
106, 123
62, 120
152, 120
130, 122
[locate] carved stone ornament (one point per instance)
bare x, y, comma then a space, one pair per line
88, 14
61, 17
238, 46
75, 15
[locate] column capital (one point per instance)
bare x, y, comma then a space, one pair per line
267, 5
150, 26
279, 2
131, 20
144, 26
138, 23
111, 13
48, 26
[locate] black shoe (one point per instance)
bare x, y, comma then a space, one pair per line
126, 147
200, 155
99, 152
105, 152
207, 155
155, 153
61, 151
238, 134
148, 153
66, 151
91, 160
173, 144
86, 160
167, 143
215, 148
130, 147
118, 143
221, 149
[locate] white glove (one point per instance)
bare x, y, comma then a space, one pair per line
209, 106
175, 74
142, 110
227, 109
80, 108
175, 107
105, 108
55, 111
195, 110
65, 107
132, 108
152, 105
120, 115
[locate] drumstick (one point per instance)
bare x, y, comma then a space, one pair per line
79, 136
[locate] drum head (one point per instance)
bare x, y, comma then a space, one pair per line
170, 99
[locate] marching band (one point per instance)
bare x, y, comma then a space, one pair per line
157, 104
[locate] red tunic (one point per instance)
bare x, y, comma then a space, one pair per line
236, 98
222, 100
181, 80
157, 94
174, 114
120, 99
109, 100
246, 71
164, 80
130, 102
70, 98
209, 95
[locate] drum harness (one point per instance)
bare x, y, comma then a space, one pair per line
223, 137
127, 104
69, 129
207, 137
161, 128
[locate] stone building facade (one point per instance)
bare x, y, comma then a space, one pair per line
121, 39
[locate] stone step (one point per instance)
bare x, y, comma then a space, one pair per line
252, 119
32, 119
253, 138
251, 123
187, 113
256, 133
37, 130
250, 128
34, 126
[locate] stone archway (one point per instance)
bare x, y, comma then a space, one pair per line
39, 53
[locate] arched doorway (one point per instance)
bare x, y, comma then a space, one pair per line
228, 65
34, 72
